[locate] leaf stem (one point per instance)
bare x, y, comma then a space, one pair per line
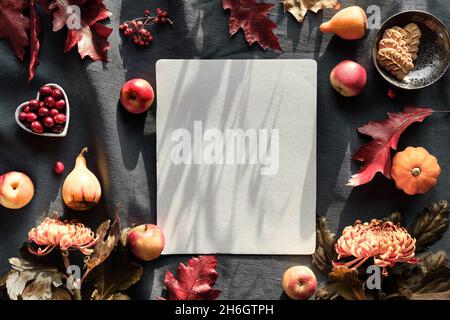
65, 257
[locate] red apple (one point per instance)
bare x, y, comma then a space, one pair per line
299, 283
348, 78
137, 96
16, 190
146, 241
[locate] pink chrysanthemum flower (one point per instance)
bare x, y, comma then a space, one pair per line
386, 242
53, 233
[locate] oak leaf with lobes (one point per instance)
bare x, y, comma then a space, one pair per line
20, 25
14, 25
376, 154
91, 36
194, 281
251, 17
299, 8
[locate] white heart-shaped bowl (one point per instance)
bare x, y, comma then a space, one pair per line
54, 135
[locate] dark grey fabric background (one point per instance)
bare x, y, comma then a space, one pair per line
122, 146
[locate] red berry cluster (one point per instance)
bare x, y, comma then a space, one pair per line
137, 29
48, 114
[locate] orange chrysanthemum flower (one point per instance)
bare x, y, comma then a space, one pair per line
386, 242
53, 233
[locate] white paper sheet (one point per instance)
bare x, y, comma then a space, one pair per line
252, 203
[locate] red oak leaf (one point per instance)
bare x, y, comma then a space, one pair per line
85, 31
194, 281
92, 41
376, 154
14, 25
91, 12
252, 18
35, 29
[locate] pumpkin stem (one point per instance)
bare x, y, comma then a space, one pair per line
415, 172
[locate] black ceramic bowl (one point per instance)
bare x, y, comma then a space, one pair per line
433, 57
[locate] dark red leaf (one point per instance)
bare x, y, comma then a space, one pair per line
92, 37
35, 29
91, 40
14, 25
194, 281
251, 17
376, 154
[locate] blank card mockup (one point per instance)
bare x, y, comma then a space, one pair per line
236, 156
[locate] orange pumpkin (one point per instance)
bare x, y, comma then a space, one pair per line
415, 171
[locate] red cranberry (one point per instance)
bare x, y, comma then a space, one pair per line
23, 116
49, 102
58, 128
37, 127
60, 118
31, 117
49, 122
57, 94
26, 109
391, 94
53, 112
41, 104
43, 112
58, 167
45, 90
60, 104
33, 104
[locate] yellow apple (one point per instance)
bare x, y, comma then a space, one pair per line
146, 241
16, 190
299, 283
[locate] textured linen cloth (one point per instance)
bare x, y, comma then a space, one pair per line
122, 146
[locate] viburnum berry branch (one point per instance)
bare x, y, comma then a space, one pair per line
137, 28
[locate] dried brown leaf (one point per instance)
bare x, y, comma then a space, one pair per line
119, 296
329, 291
29, 282
395, 217
430, 225
299, 8
108, 236
348, 286
116, 274
325, 247
61, 294
429, 279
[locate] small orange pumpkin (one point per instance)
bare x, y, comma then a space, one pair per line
415, 171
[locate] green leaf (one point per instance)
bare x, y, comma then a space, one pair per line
115, 274
430, 225
325, 247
